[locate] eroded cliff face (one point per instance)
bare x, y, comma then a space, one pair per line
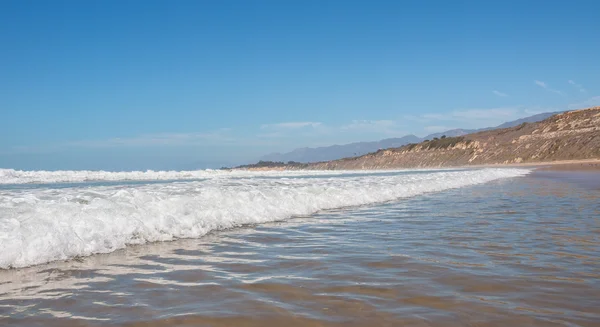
567, 136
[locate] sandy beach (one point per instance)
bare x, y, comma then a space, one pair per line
563, 165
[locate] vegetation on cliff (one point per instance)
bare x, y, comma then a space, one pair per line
438, 143
572, 135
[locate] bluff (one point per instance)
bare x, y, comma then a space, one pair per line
334, 152
571, 135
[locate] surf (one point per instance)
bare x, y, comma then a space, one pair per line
44, 224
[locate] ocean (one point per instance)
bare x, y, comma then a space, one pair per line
455, 247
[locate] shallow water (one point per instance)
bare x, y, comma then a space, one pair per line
518, 251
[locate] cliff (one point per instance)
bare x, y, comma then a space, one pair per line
335, 152
571, 135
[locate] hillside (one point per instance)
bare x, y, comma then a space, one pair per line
333, 152
565, 136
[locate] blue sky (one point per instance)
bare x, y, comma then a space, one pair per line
185, 84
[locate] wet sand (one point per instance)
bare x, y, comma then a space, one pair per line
594, 165
568, 165
583, 173
587, 178
516, 252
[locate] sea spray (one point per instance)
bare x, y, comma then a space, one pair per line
39, 225
17, 177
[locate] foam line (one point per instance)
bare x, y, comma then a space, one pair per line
39, 225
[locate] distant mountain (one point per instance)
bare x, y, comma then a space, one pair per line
530, 119
461, 132
335, 152
450, 133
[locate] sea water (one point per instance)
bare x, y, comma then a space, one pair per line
431, 247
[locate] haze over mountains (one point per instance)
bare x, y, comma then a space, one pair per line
572, 135
335, 152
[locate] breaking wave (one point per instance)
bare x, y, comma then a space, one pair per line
11, 176
43, 224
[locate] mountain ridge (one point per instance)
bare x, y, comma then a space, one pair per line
339, 151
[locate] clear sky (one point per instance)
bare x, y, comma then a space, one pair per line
185, 84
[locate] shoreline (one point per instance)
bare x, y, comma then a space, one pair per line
561, 165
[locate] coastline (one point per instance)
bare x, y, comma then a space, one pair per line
562, 165
562, 140
559, 165
584, 173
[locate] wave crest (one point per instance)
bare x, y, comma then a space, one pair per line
45, 224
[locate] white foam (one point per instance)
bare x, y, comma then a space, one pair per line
44, 224
11, 176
